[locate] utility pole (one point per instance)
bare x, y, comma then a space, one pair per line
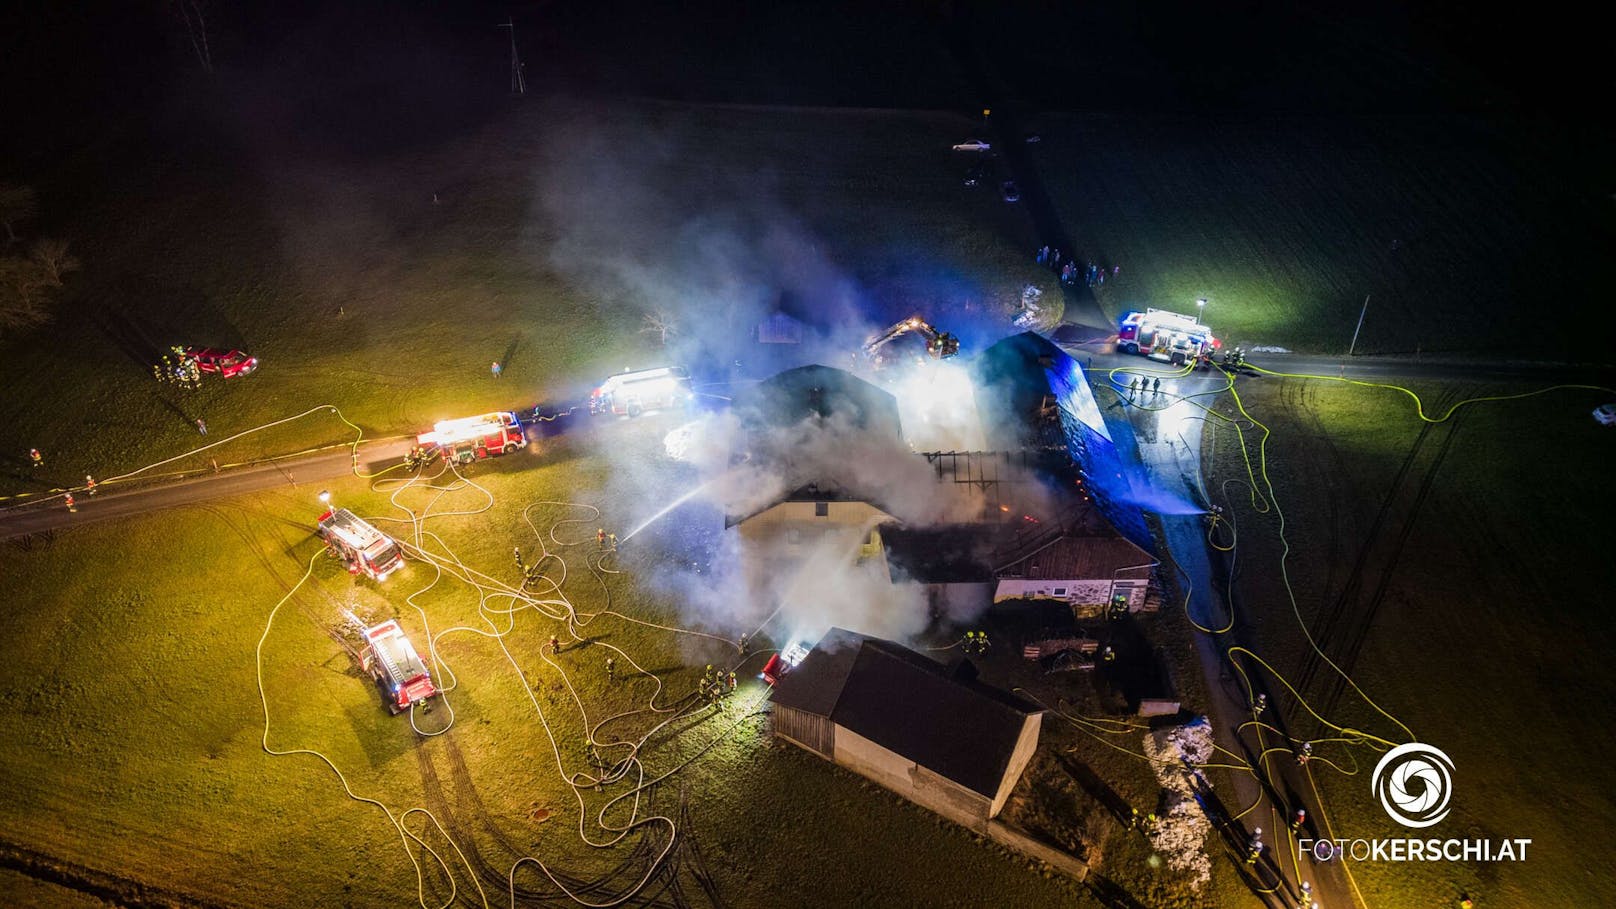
1355, 331
518, 81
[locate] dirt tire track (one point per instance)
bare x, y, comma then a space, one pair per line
113, 888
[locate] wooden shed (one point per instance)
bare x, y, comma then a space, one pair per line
929, 732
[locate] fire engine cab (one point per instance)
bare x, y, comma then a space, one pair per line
473, 438
367, 550
783, 662
390, 659
1163, 335
630, 394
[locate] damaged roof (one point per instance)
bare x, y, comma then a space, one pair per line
788, 398
1077, 558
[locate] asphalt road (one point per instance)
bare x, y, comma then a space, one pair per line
1166, 444
50, 513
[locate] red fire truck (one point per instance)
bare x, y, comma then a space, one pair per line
367, 550
390, 659
784, 661
1163, 335
473, 438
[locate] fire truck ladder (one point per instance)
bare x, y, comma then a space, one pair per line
394, 674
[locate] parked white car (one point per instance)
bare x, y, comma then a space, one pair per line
1606, 414
973, 145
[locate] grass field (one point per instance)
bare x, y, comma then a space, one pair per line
136, 721
1488, 642
1462, 233
386, 284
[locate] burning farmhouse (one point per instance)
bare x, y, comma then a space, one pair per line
829, 502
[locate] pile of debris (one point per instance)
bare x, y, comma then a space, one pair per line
1179, 833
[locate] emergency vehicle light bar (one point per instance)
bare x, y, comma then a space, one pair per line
465, 429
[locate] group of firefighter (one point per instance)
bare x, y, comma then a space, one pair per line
38, 460
180, 370
1230, 360
715, 684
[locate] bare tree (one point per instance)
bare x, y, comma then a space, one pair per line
193, 13
53, 257
17, 204
661, 323
24, 301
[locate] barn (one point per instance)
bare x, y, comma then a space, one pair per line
929, 732
1032, 394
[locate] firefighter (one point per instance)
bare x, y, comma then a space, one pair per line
611, 669
201, 426
89, 483
732, 681
35, 457
1108, 655
495, 368
68, 501
1298, 819
1260, 705
1133, 817
555, 644
742, 643
611, 542
1255, 847
517, 551
600, 537
1465, 902
1305, 753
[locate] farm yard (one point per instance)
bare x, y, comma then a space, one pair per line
136, 711
353, 199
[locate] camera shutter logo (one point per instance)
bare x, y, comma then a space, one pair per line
1414, 783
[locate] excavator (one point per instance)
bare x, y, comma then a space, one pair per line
940, 345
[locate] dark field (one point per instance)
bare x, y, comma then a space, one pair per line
1488, 633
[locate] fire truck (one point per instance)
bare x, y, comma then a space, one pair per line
473, 438
783, 662
390, 659
630, 394
1163, 335
365, 549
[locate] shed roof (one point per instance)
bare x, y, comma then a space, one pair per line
939, 717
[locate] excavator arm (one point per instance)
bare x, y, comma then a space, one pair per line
940, 345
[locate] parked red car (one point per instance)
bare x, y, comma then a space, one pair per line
227, 363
